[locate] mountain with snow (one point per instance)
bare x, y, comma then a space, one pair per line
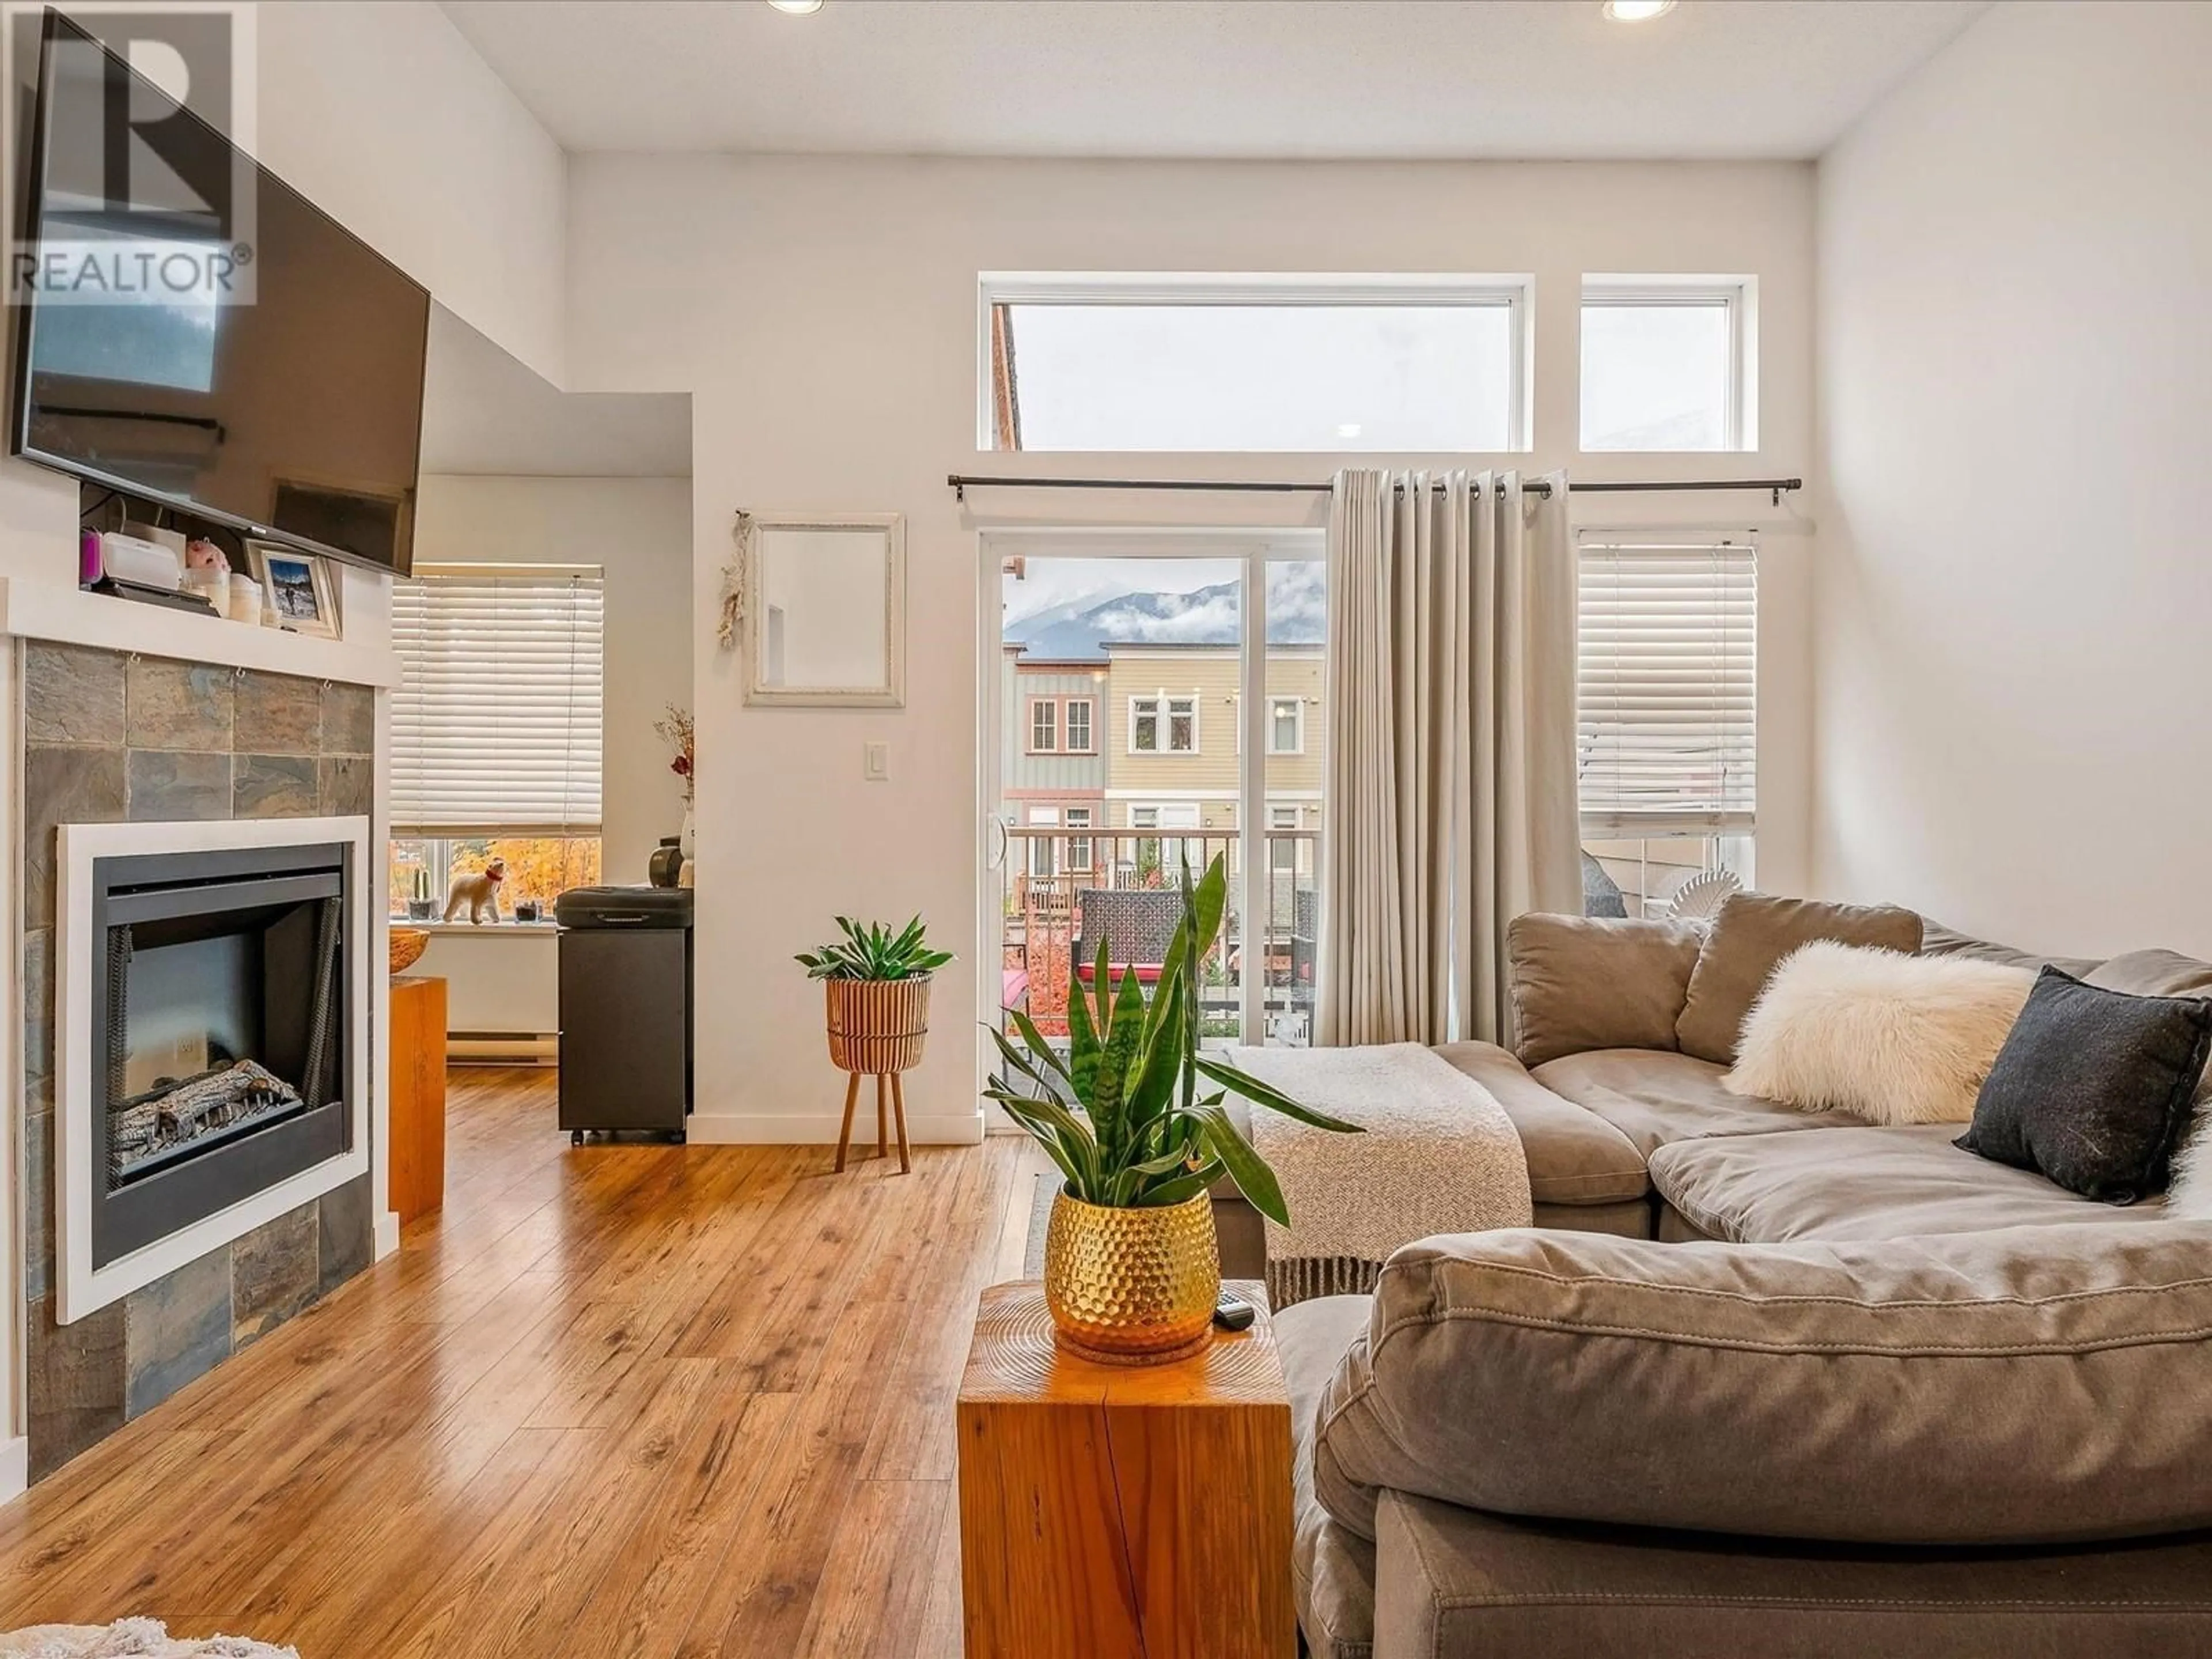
1298, 614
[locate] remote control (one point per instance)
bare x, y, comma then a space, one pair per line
1234, 1315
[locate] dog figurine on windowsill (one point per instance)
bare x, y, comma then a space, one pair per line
479, 892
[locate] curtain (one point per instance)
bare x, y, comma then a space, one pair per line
1450, 692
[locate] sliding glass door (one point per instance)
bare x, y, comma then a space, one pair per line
1154, 703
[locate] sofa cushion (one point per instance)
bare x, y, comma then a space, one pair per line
1937, 940
1657, 1099
1752, 934
1894, 1038
2152, 974
2093, 1088
1455, 1584
1575, 1157
1862, 1183
1596, 983
1332, 1568
2029, 1385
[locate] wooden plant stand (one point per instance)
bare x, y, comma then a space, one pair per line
899, 1106
1123, 1511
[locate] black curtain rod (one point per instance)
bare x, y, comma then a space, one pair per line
962, 482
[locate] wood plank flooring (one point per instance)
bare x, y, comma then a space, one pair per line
627, 1402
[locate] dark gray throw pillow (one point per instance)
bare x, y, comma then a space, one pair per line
2092, 1088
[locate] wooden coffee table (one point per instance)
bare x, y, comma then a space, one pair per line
1123, 1512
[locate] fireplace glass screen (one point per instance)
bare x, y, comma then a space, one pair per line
219, 1025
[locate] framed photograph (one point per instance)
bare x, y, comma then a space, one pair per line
826, 611
297, 589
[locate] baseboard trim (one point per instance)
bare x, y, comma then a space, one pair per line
820, 1129
14, 1467
387, 1233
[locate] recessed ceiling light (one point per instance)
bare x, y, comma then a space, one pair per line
1623, 11
803, 7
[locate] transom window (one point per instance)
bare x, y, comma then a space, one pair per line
1043, 726
1314, 363
1163, 725
1079, 725
1668, 363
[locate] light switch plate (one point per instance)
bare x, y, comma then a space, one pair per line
876, 764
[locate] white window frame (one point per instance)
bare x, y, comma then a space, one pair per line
1159, 707
1051, 707
1512, 291
1042, 864
1298, 707
1740, 294
1078, 817
1089, 707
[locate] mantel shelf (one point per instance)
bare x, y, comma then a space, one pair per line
49, 610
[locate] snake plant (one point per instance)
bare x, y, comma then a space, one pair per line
874, 952
1121, 1114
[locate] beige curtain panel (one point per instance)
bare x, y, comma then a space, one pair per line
1450, 783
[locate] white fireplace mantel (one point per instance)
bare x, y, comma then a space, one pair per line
53, 610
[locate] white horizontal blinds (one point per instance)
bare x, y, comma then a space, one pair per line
496, 724
1667, 686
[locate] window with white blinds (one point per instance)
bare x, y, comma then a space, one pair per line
495, 726
1667, 685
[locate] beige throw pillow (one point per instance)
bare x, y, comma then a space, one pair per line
1752, 934
1889, 1037
1585, 982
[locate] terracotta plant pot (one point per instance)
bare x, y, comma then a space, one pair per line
877, 1025
1131, 1287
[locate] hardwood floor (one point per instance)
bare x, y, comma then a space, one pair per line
629, 1402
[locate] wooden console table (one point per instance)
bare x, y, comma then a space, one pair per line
1123, 1512
418, 1094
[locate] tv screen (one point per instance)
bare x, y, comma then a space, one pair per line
271, 380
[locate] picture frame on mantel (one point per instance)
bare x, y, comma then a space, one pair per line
298, 590
825, 610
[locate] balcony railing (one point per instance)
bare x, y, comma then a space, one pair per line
1068, 889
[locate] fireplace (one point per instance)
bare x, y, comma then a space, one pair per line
213, 1043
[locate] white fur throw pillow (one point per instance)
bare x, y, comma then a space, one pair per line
2189, 1191
1888, 1038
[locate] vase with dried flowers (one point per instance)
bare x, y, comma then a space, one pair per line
676, 729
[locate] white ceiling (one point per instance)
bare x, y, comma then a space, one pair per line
1310, 79
483, 411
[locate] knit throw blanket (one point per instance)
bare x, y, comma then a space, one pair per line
1439, 1156
129, 1638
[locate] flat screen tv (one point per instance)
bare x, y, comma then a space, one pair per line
281, 396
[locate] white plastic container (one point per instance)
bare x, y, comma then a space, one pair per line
245, 599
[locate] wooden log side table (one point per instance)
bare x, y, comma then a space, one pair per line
1123, 1511
417, 1117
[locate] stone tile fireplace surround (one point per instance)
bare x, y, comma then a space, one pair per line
111, 738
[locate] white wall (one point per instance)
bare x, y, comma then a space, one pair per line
640, 529
822, 313
2013, 671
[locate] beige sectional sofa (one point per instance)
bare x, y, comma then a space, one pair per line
1760, 1381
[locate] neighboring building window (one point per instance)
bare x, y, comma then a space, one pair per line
1667, 365
1079, 725
1078, 847
1286, 727
1667, 713
1146, 362
1041, 859
1044, 737
496, 730
1163, 725
1283, 849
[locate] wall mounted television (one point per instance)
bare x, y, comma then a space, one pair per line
287, 407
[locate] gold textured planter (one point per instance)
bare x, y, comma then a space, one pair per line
877, 1025
1131, 1287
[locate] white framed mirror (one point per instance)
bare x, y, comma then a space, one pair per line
825, 610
